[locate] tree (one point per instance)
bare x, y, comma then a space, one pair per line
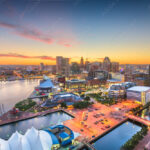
87, 98
63, 104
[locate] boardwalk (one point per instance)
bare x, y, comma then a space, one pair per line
143, 142
8, 118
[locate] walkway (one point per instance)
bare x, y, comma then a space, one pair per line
138, 119
143, 142
9, 118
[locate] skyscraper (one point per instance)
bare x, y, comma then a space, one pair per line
82, 62
42, 67
59, 64
107, 64
62, 65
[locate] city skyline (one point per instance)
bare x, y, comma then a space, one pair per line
38, 31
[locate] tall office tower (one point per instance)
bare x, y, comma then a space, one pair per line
82, 62
66, 67
87, 63
107, 64
149, 70
62, 66
115, 67
42, 67
59, 60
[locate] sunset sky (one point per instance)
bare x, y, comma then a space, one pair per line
34, 31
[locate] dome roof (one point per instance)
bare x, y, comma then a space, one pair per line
32, 140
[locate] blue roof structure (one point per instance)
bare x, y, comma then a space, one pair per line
46, 84
54, 138
63, 135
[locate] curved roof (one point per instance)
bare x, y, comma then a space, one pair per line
55, 140
32, 140
46, 84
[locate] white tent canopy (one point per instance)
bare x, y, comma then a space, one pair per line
32, 140
4, 145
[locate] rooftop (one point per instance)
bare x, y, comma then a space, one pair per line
46, 84
139, 88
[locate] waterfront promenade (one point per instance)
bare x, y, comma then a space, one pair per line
143, 142
10, 118
90, 123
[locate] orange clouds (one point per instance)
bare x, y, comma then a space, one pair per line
27, 57
33, 34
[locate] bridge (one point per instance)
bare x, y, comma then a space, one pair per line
138, 119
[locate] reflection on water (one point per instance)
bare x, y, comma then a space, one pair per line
117, 137
14, 91
38, 122
145, 114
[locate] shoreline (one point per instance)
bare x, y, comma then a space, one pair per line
31, 115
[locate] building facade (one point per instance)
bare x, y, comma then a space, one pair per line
62, 65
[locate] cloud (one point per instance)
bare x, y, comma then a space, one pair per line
33, 34
64, 43
100, 58
7, 25
27, 57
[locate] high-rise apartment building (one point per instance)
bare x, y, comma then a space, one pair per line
62, 65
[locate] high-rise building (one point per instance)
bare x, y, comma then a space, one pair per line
62, 65
42, 67
82, 62
115, 67
59, 64
107, 64
75, 68
149, 70
87, 64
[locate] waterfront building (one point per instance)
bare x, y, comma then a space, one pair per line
68, 98
139, 93
48, 139
76, 84
45, 87
61, 80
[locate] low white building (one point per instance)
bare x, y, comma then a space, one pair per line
139, 93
